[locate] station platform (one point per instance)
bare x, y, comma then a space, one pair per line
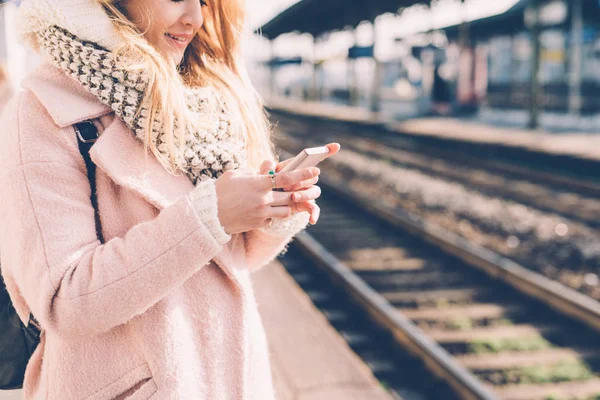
580, 146
310, 360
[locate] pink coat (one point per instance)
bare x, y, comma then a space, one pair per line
165, 308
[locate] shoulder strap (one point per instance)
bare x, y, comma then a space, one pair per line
87, 134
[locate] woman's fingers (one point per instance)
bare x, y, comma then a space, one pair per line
266, 166
285, 211
292, 199
311, 193
282, 164
315, 214
333, 148
280, 212
277, 212
302, 185
299, 185
312, 208
289, 179
298, 176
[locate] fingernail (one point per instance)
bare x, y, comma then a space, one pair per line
316, 171
296, 196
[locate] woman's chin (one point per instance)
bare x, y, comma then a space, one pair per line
177, 59
173, 55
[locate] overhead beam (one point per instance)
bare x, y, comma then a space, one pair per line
317, 17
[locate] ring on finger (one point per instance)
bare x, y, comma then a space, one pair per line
272, 176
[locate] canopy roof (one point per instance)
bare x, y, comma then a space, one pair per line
320, 16
508, 22
513, 20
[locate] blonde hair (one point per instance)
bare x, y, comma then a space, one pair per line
213, 57
3, 74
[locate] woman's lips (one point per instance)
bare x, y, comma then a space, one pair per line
178, 40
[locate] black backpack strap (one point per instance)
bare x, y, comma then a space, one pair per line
17, 340
87, 134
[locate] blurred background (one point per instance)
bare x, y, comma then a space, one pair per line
457, 255
466, 193
482, 54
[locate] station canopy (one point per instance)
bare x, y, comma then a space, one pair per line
507, 23
321, 16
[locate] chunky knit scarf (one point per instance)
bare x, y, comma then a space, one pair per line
208, 152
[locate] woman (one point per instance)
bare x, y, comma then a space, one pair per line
163, 308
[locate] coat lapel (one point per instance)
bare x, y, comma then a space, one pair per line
122, 157
117, 151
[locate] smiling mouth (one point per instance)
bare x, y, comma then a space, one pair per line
176, 38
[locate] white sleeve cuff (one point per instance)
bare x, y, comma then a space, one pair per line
290, 226
204, 199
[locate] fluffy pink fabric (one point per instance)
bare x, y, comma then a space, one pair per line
165, 308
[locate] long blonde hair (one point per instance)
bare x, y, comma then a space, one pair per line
213, 57
3, 75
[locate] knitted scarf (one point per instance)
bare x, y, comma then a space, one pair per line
208, 152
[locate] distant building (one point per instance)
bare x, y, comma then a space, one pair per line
496, 67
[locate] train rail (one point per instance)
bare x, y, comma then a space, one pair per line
562, 172
570, 196
483, 324
550, 230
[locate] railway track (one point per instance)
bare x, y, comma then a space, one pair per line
568, 196
484, 325
564, 173
403, 375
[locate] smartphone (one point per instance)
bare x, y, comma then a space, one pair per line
309, 157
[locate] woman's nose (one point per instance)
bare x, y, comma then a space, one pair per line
193, 15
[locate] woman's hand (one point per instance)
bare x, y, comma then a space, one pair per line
305, 192
246, 200
303, 199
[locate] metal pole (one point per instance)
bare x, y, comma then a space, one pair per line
376, 89
535, 68
349, 72
464, 82
314, 89
353, 80
272, 69
575, 74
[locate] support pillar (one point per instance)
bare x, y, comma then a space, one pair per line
575, 73
376, 88
314, 90
272, 80
535, 68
